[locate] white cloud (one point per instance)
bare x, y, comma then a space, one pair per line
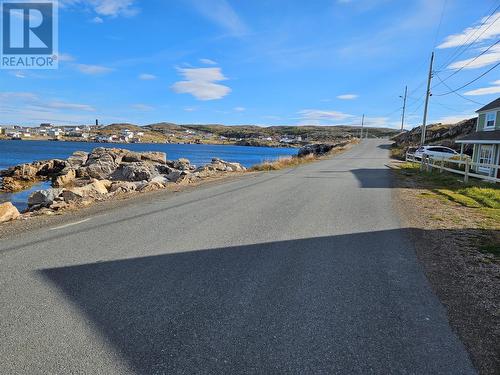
147, 77
239, 109
321, 117
452, 119
221, 13
489, 30
65, 57
347, 96
71, 106
142, 107
190, 109
490, 57
18, 74
208, 62
200, 82
495, 89
93, 69
109, 8
97, 20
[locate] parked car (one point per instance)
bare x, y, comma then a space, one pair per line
435, 151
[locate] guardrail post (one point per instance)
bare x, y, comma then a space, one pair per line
467, 167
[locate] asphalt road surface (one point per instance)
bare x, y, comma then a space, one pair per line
302, 271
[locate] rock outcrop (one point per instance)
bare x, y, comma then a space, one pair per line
21, 176
8, 212
104, 173
442, 134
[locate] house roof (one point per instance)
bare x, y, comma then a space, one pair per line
494, 104
485, 137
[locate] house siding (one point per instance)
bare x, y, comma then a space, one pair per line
497, 121
480, 122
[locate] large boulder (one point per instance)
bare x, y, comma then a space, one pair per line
154, 157
315, 149
137, 171
151, 186
77, 159
101, 163
224, 166
94, 190
8, 212
43, 198
65, 179
123, 187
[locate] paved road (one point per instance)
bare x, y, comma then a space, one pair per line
305, 271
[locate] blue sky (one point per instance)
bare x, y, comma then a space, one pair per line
263, 62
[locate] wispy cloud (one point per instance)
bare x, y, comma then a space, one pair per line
494, 89
221, 13
71, 106
109, 8
147, 77
208, 62
142, 107
347, 96
321, 117
27, 107
65, 57
97, 19
200, 82
239, 109
490, 57
487, 28
93, 69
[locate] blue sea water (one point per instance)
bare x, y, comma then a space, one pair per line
18, 152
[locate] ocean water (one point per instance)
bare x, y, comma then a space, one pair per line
18, 152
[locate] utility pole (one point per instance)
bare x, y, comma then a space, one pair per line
362, 123
404, 109
427, 96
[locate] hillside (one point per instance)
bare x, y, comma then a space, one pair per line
442, 134
308, 133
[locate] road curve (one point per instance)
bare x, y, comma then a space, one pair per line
302, 271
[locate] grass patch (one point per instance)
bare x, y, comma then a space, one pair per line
459, 198
487, 197
490, 249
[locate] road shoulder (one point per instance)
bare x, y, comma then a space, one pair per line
448, 239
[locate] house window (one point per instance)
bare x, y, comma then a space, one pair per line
485, 157
490, 120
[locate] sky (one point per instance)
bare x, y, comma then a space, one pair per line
261, 62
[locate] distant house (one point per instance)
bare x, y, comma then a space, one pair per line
486, 138
54, 132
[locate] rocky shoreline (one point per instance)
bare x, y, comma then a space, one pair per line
107, 173
102, 174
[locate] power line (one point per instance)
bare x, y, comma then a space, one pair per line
468, 63
467, 42
456, 93
468, 83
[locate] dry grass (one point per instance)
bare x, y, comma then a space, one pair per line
295, 161
284, 162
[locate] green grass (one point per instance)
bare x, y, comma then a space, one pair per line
474, 194
459, 198
491, 249
487, 197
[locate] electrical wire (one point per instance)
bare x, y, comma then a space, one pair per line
467, 84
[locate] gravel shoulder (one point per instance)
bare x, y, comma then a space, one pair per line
448, 240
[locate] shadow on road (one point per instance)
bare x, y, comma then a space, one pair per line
348, 303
